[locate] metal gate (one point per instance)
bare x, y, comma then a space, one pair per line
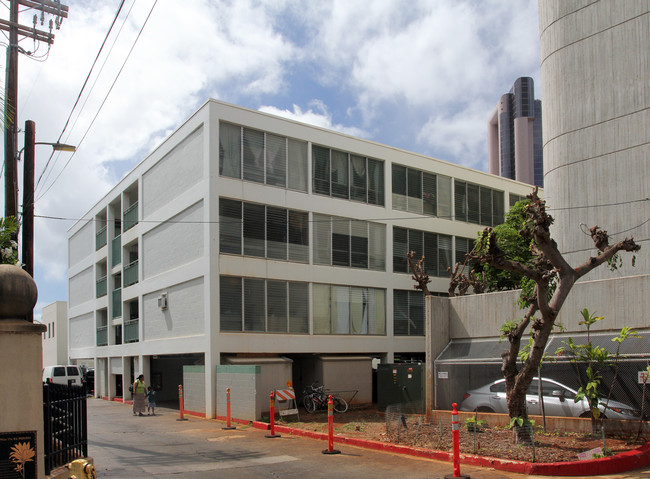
65, 424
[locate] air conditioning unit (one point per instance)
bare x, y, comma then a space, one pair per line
162, 301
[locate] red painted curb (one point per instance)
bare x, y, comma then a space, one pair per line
244, 422
624, 462
193, 413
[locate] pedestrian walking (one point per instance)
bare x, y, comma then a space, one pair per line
139, 396
151, 401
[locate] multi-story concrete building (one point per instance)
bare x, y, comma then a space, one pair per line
596, 89
55, 339
246, 234
515, 135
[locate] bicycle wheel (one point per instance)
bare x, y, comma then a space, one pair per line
340, 404
309, 403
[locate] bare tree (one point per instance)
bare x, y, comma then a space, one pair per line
553, 277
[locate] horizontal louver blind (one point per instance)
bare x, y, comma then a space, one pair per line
276, 160
229, 150
253, 155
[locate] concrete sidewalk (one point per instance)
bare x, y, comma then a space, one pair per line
127, 446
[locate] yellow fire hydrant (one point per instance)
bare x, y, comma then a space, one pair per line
82, 469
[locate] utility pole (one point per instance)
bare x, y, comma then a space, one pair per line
28, 198
15, 30
11, 99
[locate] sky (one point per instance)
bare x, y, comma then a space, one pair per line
419, 75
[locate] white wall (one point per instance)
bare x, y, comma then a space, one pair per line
184, 315
81, 287
174, 243
81, 244
55, 339
177, 172
82, 331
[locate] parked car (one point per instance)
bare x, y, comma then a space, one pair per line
558, 401
69, 374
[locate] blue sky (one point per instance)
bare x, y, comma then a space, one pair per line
419, 75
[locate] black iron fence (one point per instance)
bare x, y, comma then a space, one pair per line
66, 434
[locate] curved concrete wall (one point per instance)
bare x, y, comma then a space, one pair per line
596, 92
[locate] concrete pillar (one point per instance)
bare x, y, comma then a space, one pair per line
21, 359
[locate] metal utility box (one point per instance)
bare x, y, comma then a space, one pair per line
401, 383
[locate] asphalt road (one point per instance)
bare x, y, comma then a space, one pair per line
133, 447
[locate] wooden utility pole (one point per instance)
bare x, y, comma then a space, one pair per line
17, 30
28, 198
11, 99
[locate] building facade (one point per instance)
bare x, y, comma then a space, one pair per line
55, 338
515, 135
596, 88
245, 235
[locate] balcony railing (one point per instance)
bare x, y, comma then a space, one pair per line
131, 273
131, 334
102, 336
100, 238
131, 216
117, 303
102, 287
116, 250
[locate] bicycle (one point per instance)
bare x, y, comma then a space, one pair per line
316, 398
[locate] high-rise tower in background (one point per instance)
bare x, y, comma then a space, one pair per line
515, 135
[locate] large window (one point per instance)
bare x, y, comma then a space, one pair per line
263, 231
262, 157
408, 313
421, 192
478, 204
436, 249
349, 310
463, 247
344, 175
263, 305
347, 242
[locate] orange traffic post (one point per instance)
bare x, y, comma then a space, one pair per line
228, 426
330, 428
273, 434
180, 402
455, 434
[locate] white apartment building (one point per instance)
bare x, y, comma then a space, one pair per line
245, 235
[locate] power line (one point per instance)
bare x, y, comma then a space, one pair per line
82, 89
599, 206
103, 102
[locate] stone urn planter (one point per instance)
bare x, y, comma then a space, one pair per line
18, 293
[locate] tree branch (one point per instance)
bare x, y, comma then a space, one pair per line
419, 276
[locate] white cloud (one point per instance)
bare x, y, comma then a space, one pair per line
318, 116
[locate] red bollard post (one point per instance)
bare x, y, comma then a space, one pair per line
455, 433
273, 434
228, 426
180, 402
330, 428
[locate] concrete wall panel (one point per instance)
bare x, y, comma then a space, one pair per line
81, 288
175, 173
82, 331
194, 388
81, 244
242, 381
184, 315
174, 243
